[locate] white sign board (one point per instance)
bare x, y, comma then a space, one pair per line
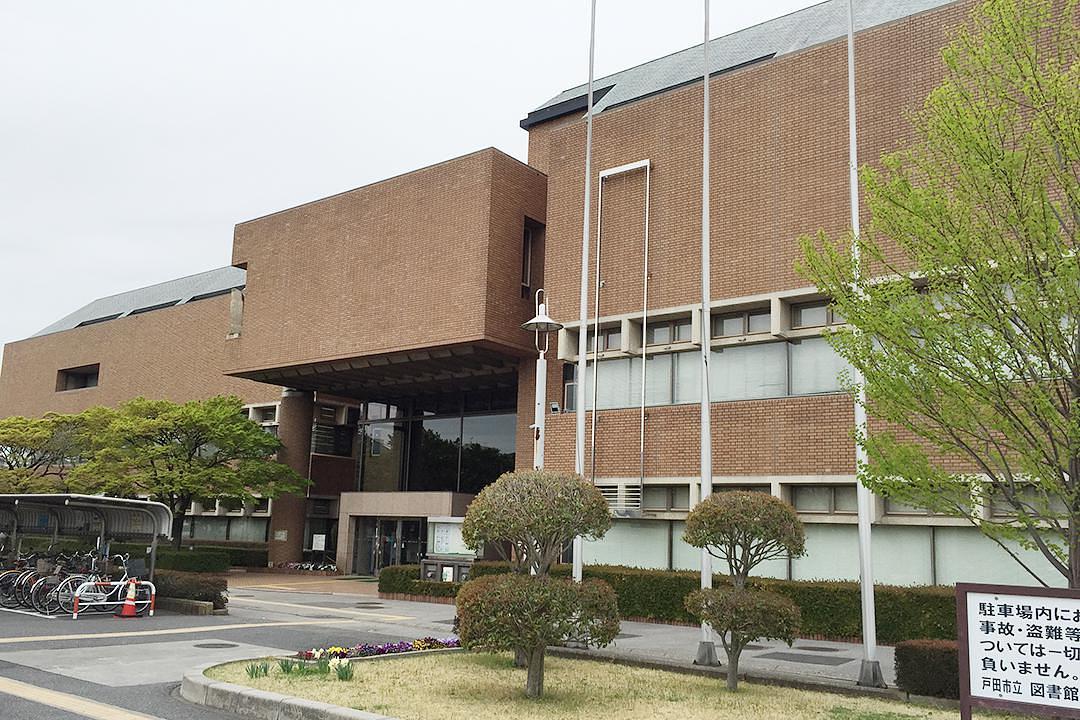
448, 539
1022, 647
318, 542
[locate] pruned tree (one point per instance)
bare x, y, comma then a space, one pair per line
744, 529
742, 616
530, 517
964, 306
497, 613
176, 452
37, 454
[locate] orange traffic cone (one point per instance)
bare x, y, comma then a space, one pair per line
127, 610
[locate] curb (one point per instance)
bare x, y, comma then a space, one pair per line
185, 606
247, 702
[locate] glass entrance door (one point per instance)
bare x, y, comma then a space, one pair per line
388, 541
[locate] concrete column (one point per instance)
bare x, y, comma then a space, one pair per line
295, 417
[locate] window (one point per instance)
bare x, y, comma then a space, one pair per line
265, 414
77, 378
610, 339
824, 498
815, 366
895, 507
747, 322
526, 262
231, 505
330, 436
1036, 502
666, 332
569, 377
665, 497
814, 314
744, 372
261, 505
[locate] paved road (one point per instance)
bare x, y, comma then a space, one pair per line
105, 668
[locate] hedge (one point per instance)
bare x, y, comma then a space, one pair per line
192, 586
234, 556
197, 561
928, 667
829, 609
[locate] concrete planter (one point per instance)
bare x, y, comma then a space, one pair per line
189, 607
201, 690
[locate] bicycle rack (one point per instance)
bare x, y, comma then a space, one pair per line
113, 587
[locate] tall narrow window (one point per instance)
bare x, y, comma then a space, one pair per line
526, 262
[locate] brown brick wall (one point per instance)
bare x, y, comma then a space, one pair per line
174, 354
779, 166
779, 170
784, 436
423, 259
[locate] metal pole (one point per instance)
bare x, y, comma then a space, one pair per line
579, 447
706, 652
870, 671
539, 414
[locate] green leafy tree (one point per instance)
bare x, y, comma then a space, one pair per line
529, 517
504, 612
176, 452
36, 454
964, 299
744, 529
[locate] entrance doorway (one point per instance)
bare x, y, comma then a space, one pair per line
388, 541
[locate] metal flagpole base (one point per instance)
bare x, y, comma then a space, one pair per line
706, 653
870, 674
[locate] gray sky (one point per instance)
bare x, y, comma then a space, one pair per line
134, 135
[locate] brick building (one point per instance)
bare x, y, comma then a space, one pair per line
390, 357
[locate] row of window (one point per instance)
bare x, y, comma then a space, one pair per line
724, 325
738, 372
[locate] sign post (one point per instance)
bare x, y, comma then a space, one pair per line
1019, 649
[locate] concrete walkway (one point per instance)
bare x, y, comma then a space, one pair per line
814, 661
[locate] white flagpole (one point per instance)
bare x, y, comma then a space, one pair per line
870, 671
579, 394
706, 653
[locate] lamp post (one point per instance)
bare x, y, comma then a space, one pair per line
541, 323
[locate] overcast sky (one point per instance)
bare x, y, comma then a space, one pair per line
134, 135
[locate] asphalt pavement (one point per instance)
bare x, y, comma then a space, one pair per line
106, 668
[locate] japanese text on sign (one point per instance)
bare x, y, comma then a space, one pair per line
1024, 649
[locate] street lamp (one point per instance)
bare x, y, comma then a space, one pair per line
541, 323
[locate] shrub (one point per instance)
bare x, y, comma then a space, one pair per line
740, 616
928, 667
528, 613
192, 586
199, 561
406, 579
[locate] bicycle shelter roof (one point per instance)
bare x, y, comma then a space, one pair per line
73, 515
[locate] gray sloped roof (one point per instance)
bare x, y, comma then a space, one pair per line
787, 34
152, 297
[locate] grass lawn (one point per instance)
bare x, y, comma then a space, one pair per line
465, 686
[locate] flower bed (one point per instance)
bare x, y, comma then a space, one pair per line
369, 650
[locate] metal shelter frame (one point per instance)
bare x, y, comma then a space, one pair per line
85, 516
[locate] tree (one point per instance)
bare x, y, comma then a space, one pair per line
176, 452
964, 304
506, 612
744, 529
530, 517
36, 454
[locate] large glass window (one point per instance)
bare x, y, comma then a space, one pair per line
737, 372
383, 464
815, 366
438, 454
433, 460
487, 450
744, 372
